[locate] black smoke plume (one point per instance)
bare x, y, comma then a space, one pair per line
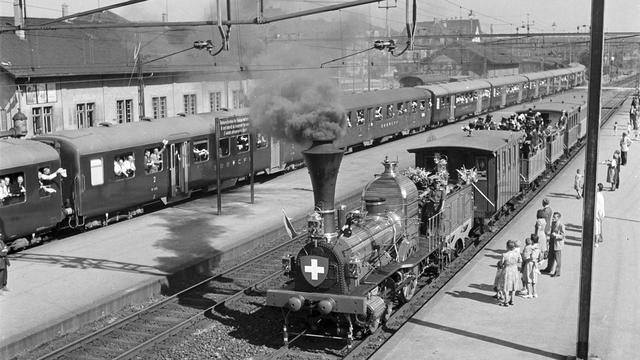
298, 108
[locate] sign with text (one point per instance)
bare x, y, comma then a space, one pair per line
234, 126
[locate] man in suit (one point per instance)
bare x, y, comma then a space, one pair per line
546, 213
4, 262
557, 239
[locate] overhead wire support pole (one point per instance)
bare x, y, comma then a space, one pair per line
591, 164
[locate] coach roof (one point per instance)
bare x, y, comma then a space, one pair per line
21, 152
374, 98
483, 140
116, 137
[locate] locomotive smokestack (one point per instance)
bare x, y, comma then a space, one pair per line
323, 161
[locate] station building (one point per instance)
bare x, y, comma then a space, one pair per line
69, 79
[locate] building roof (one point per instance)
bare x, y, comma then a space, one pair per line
74, 52
494, 55
481, 140
451, 26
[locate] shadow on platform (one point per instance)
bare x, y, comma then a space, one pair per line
622, 219
76, 262
562, 195
485, 298
573, 227
489, 339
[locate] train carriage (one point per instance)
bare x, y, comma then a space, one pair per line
468, 97
493, 153
442, 108
123, 167
537, 85
384, 114
33, 204
507, 90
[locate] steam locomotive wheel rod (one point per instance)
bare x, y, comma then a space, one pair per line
365, 348
141, 330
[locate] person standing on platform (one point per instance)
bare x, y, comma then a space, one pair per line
557, 238
4, 264
613, 169
577, 184
545, 213
511, 261
530, 269
625, 142
599, 214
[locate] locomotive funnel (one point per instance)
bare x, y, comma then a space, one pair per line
323, 161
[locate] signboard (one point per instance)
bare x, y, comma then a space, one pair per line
234, 126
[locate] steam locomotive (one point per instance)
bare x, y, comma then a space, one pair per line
348, 275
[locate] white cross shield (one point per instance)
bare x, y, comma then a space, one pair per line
314, 269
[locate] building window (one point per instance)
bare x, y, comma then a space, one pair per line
85, 114
238, 99
215, 100
159, 107
190, 104
42, 119
125, 110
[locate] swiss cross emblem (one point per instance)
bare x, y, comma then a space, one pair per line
314, 269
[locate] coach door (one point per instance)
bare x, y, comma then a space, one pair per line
275, 154
178, 166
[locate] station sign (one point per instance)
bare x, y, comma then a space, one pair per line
234, 126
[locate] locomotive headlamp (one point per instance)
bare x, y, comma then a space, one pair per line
326, 306
295, 302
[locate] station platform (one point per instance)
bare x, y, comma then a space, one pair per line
463, 320
58, 286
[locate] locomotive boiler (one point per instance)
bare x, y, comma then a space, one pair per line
354, 266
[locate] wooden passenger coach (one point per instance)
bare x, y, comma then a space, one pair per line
493, 153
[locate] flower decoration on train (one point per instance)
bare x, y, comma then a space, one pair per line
467, 176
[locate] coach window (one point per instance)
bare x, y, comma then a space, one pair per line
360, 115
242, 143
389, 111
423, 108
401, 108
200, 151
223, 147
97, 177
124, 166
12, 188
348, 118
261, 141
378, 114
48, 180
153, 159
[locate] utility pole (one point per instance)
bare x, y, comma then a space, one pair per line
141, 111
591, 165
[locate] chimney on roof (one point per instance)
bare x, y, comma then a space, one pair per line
65, 9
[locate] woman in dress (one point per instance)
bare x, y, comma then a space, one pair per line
530, 269
510, 261
538, 230
613, 170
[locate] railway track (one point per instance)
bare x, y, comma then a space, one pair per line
146, 328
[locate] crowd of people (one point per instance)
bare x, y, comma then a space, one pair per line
537, 129
519, 268
620, 156
13, 187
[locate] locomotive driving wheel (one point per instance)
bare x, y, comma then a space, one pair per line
409, 289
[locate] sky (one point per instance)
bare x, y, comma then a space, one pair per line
503, 15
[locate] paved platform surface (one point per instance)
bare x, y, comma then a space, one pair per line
463, 321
